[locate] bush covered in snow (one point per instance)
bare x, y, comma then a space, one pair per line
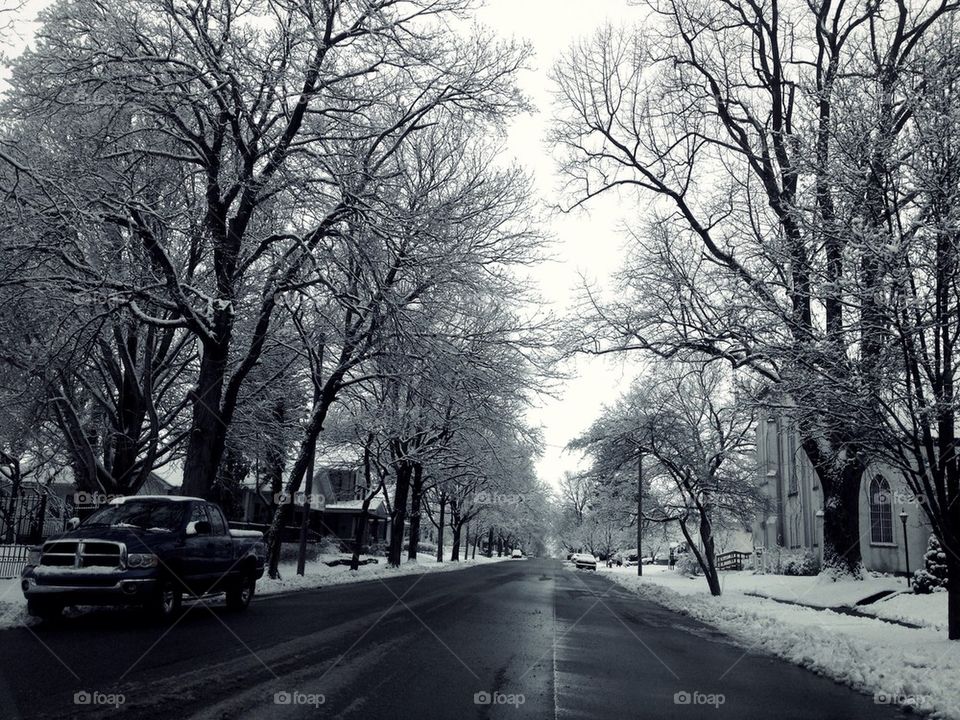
425, 547
799, 563
687, 564
291, 551
378, 549
329, 545
933, 576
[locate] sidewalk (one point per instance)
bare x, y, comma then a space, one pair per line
791, 617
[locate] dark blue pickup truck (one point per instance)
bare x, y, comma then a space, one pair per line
145, 550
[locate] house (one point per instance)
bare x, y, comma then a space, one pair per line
336, 501
795, 520
47, 497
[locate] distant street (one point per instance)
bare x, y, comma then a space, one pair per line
539, 640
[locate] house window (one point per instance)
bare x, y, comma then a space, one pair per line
881, 511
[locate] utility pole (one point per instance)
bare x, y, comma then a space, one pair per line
639, 509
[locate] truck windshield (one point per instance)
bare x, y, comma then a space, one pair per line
143, 514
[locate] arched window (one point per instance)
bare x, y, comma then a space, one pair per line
881, 511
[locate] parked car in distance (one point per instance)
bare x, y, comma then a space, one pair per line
584, 561
517, 554
145, 550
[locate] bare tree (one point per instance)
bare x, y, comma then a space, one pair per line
278, 123
720, 112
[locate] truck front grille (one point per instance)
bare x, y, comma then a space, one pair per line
82, 554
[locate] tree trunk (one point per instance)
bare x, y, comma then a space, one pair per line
275, 546
490, 543
466, 544
416, 497
276, 456
37, 534
455, 549
308, 448
841, 508
476, 541
705, 560
953, 596
358, 535
443, 507
11, 529
399, 515
305, 523
841, 520
208, 430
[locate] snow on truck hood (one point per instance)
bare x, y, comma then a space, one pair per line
176, 498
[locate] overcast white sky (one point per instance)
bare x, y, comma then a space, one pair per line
587, 245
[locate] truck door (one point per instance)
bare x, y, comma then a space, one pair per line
199, 551
222, 562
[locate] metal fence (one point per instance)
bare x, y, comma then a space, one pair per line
13, 558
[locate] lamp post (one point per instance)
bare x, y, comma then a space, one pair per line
819, 515
906, 546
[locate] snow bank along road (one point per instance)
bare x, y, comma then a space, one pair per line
524, 639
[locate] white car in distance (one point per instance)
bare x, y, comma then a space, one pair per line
584, 561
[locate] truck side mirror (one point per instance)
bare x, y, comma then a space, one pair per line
73, 523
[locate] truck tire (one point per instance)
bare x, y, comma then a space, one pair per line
46, 610
240, 593
167, 603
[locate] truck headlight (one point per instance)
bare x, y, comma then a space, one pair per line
34, 556
142, 560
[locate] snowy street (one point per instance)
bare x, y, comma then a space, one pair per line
526, 638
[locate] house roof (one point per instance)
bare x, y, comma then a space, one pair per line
341, 455
156, 485
356, 506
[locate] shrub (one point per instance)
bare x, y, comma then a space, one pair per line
329, 545
933, 576
291, 551
377, 549
426, 548
799, 563
687, 564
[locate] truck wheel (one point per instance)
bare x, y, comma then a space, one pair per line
45, 609
168, 601
241, 592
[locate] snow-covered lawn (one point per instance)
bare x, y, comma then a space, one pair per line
815, 591
916, 667
926, 610
13, 606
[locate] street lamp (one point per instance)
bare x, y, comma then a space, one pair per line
819, 515
906, 547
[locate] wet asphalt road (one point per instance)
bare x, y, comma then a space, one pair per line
537, 639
